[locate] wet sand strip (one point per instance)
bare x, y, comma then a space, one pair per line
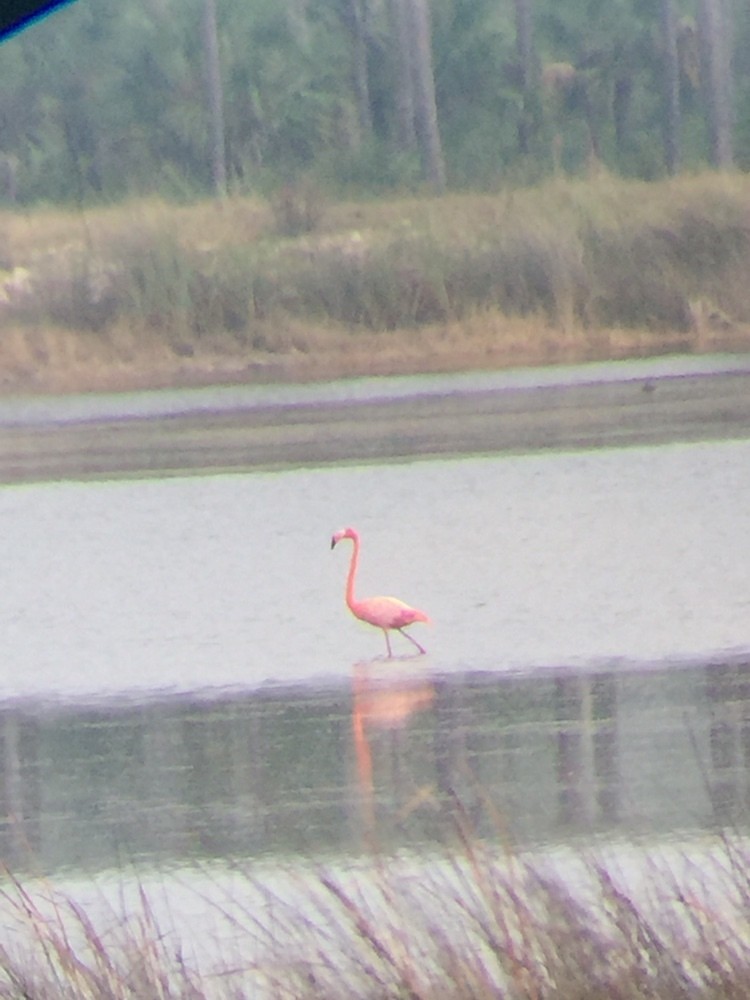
666, 409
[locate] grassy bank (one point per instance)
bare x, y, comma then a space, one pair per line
469, 924
148, 293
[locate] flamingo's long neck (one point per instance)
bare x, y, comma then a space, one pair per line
351, 600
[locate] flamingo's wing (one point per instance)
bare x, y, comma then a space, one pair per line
388, 612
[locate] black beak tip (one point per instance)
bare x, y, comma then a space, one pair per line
333, 543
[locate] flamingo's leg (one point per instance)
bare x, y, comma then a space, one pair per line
388, 643
412, 639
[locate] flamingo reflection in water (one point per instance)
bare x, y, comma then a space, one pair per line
386, 613
384, 703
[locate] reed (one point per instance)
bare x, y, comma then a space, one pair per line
480, 925
661, 264
472, 922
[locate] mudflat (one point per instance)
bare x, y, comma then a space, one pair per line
688, 407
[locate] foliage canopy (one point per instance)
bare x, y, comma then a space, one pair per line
104, 99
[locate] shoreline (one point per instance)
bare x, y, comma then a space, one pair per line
681, 407
75, 365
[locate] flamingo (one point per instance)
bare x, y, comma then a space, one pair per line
386, 613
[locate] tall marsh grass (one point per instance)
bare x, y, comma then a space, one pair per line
575, 256
472, 922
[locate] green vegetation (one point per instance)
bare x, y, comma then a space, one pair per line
106, 100
564, 120
565, 270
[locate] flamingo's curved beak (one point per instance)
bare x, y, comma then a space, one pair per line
333, 542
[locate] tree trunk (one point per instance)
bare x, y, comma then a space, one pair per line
425, 108
406, 133
622, 99
590, 113
672, 111
714, 35
525, 51
214, 98
358, 21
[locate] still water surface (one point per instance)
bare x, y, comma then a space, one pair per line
182, 681
522, 562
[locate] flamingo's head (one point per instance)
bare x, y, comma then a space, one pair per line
344, 533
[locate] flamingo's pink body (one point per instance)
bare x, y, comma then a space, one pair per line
387, 613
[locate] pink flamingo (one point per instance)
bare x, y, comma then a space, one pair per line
382, 612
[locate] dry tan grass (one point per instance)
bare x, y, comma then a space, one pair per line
473, 921
27, 235
58, 360
571, 270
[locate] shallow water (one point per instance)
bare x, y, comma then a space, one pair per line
31, 409
228, 581
185, 700
378, 762
182, 681
374, 420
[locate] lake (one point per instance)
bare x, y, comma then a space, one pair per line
183, 686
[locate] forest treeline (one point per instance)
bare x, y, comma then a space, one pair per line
105, 99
